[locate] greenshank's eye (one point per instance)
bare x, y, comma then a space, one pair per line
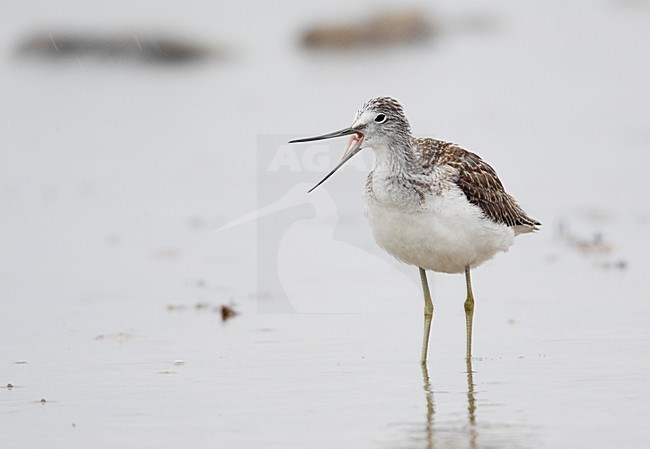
381, 118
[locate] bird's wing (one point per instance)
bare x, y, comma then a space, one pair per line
481, 185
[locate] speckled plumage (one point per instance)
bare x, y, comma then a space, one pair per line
476, 178
430, 203
433, 204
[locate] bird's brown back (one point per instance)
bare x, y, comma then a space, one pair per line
476, 178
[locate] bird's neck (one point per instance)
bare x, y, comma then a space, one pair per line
396, 179
396, 161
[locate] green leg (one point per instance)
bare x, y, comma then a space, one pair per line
428, 314
469, 312
471, 401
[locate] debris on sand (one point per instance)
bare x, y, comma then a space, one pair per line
592, 245
389, 29
119, 337
174, 307
43, 401
595, 244
227, 313
135, 46
615, 265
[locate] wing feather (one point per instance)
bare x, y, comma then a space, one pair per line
478, 181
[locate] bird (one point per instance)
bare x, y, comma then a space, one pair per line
430, 203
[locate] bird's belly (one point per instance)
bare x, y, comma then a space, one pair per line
444, 235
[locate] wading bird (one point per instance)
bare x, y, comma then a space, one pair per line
430, 203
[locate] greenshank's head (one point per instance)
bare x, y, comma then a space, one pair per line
380, 122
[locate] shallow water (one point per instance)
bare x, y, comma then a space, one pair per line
114, 179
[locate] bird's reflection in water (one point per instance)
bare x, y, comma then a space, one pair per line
431, 410
455, 421
471, 403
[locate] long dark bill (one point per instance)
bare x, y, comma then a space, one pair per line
353, 147
341, 133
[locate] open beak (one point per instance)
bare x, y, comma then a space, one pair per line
353, 147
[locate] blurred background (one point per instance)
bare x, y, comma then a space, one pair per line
132, 132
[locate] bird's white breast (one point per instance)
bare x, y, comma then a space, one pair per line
443, 233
